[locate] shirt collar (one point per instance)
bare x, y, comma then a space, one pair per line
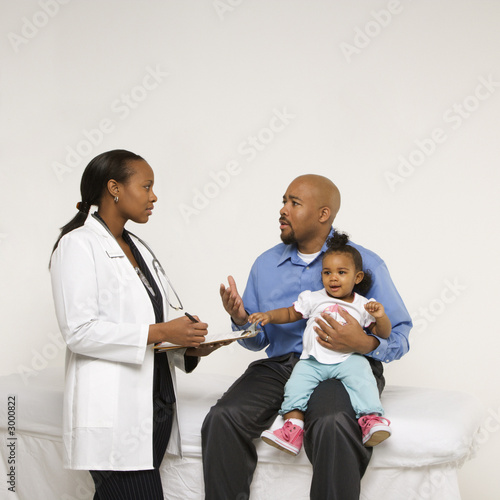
107, 239
290, 252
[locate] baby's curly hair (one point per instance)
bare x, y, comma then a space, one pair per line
339, 243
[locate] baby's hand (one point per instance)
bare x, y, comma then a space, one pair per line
376, 309
262, 318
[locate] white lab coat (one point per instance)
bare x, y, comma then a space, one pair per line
104, 313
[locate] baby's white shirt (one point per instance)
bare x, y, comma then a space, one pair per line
311, 305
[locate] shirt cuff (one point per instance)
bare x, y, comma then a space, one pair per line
380, 352
240, 327
190, 363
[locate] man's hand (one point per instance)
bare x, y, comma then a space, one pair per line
344, 338
233, 303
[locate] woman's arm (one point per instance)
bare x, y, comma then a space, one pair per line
180, 331
83, 302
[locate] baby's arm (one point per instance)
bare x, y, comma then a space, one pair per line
382, 328
276, 316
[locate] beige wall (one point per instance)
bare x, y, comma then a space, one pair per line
397, 101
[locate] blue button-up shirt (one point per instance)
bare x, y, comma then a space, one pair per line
279, 275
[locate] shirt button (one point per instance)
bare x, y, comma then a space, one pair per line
387, 361
377, 353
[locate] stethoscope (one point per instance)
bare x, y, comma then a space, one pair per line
159, 269
156, 266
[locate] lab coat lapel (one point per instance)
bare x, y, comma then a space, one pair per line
107, 240
116, 254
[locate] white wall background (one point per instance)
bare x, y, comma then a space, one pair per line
363, 87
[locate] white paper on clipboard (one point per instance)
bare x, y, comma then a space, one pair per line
252, 331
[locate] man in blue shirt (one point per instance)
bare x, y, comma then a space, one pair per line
332, 435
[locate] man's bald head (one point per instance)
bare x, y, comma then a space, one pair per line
325, 192
310, 205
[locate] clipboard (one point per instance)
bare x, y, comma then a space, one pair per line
252, 331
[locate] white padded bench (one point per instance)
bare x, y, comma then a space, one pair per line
433, 435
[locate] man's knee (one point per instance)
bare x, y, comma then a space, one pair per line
336, 420
216, 417
223, 415
330, 407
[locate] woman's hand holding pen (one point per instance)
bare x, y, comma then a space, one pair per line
205, 349
180, 331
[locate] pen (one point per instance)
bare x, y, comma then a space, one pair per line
193, 319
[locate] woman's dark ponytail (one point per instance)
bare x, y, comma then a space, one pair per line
109, 165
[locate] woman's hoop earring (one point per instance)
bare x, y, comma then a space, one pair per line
116, 199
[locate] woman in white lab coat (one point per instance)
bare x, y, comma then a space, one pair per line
112, 307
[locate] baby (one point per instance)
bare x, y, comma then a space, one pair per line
342, 274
